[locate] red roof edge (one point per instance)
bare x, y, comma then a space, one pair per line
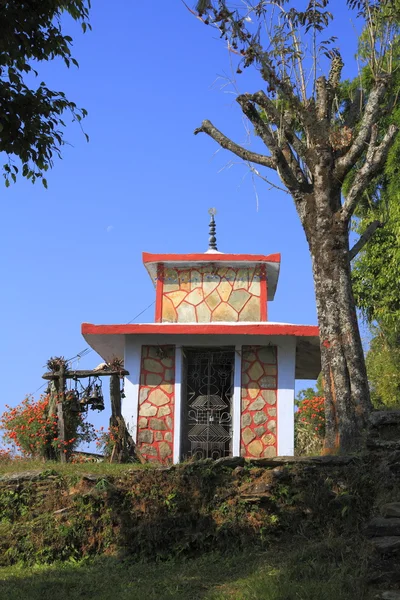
163, 258
202, 329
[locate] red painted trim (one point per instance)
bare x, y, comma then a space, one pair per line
159, 292
195, 258
202, 329
263, 293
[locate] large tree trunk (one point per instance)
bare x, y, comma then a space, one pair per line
346, 388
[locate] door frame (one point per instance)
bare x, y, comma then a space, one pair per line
181, 397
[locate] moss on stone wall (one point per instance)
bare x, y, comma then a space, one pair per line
181, 510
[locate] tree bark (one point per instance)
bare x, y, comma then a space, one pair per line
346, 388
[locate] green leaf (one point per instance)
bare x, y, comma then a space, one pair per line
32, 127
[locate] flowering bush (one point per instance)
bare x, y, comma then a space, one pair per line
106, 440
33, 430
310, 425
6, 455
311, 412
29, 427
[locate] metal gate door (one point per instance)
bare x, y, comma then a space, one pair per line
207, 406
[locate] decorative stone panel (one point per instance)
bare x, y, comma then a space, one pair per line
202, 294
156, 403
259, 398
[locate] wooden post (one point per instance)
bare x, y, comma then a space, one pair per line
117, 454
60, 384
124, 447
115, 397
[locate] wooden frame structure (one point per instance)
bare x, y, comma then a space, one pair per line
124, 448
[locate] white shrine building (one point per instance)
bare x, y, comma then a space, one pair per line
211, 377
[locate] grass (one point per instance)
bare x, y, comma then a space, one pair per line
101, 468
332, 569
316, 553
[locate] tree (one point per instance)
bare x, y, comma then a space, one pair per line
31, 118
376, 275
383, 368
376, 269
315, 139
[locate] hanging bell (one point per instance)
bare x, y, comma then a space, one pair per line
85, 399
72, 398
96, 398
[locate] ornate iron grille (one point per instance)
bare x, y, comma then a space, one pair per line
207, 418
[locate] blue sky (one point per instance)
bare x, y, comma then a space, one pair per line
72, 253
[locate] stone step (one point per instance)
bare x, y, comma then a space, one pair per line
22, 476
231, 461
380, 418
324, 461
381, 526
386, 544
389, 595
375, 443
388, 576
391, 509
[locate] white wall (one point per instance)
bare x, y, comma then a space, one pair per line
129, 408
177, 405
286, 370
237, 401
286, 382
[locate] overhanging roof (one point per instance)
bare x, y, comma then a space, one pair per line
109, 340
271, 261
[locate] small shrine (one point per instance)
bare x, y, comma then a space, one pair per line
211, 377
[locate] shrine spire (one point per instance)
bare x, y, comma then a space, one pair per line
212, 240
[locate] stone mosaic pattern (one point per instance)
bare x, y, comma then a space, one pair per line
203, 294
259, 402
156, 403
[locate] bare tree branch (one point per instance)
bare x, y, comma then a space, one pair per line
279, 120
263, 130
369, 117
261, 127
286, 91
374, 161
354, 111
366, 236
268, 181
225, 142
297, 57
335, 72
322, 101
